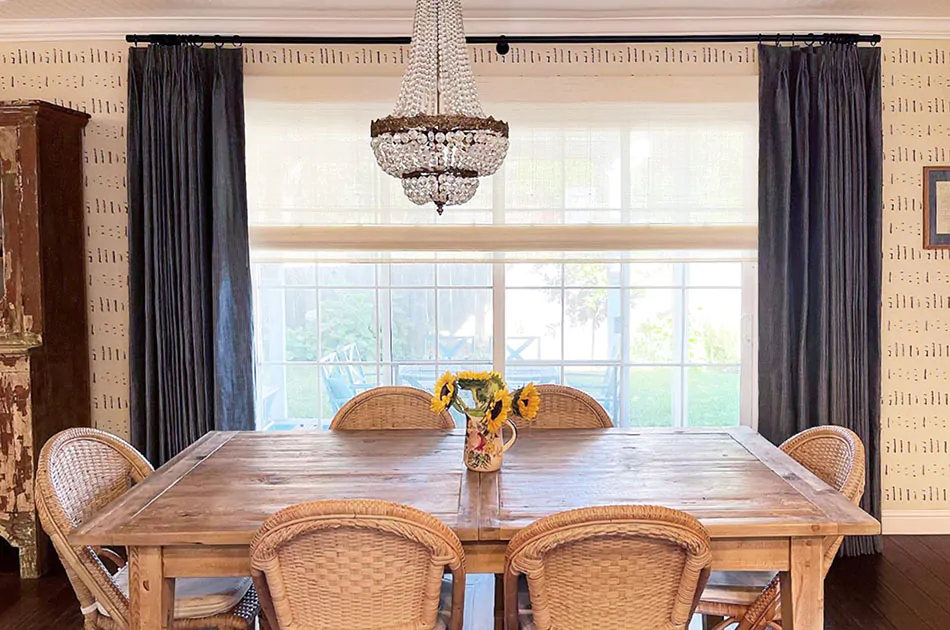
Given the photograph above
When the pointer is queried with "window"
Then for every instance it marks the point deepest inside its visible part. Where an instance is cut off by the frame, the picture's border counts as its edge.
(614, 252)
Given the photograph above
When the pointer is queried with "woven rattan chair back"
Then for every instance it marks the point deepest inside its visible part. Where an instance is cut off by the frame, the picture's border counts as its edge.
(836, 456)
(564, 407)
(331, 565)
(390, 407)
(79, 472)
(609, 567)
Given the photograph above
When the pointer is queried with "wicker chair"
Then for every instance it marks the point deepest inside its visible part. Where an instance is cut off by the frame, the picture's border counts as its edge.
(333, 565)
(564, 407)
(79, 472)
(390, 407)
(608, 567)
(836, 456)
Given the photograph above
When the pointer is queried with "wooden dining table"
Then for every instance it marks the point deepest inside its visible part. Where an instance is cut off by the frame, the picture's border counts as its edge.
(195, 516)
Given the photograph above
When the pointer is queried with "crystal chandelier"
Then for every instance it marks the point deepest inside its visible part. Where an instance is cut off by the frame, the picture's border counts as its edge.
(438, 140)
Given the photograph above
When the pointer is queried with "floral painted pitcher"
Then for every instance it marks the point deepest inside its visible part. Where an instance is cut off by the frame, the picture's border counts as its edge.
(483, 446)
(487, 406)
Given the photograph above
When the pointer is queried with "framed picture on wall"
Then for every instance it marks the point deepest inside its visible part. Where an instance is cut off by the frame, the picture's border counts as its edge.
(937, 207)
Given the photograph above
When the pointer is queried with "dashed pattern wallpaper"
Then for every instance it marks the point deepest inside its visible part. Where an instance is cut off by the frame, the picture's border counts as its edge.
(90, 76)
(916, 293)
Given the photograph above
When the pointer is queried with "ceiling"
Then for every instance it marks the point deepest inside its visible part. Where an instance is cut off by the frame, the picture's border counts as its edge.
(37, 9)
(71, 19)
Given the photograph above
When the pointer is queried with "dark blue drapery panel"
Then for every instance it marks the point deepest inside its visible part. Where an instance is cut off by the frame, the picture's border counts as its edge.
(820, 187)
(189, 269)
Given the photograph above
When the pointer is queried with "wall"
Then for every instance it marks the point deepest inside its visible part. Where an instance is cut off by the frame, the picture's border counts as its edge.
(916, 308)
(90, 76)
(916, 291)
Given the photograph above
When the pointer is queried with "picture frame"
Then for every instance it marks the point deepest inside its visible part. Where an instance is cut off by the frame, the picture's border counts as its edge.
(936, 207)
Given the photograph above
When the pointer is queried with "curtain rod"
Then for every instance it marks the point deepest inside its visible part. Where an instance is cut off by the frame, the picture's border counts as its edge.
(502, 42)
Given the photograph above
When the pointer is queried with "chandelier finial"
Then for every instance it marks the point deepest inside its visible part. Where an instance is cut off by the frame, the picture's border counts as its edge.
(438, 140)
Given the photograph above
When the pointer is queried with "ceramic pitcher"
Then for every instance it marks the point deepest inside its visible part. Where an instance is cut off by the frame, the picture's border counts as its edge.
(484, 448)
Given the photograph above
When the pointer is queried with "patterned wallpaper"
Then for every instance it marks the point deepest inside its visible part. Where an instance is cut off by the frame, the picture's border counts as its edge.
(916, 295)
(91, 77)
(916, 321)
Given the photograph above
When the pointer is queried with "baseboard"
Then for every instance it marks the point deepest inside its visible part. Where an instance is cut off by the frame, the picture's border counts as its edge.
(919, 522)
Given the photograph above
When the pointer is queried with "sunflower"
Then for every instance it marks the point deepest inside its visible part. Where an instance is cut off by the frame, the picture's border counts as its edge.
(527, 401)
(445, 391)
(477, 376)
(498, 410)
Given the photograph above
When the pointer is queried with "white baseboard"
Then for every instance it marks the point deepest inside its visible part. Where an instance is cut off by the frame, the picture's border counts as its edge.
(921, 522)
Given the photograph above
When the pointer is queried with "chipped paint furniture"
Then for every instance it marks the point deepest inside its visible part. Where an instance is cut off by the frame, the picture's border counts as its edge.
(44, 357)
(196, 516)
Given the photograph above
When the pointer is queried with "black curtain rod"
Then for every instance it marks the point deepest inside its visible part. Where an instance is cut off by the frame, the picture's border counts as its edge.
(502, 42)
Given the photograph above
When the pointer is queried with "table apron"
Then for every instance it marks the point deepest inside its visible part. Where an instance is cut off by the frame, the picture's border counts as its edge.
(729, 554)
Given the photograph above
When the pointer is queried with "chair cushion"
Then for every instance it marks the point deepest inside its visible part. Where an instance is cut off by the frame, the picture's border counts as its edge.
(736, 587)
(196, 597)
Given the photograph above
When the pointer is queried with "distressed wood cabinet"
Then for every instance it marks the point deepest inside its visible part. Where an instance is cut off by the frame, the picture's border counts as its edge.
(44, 358)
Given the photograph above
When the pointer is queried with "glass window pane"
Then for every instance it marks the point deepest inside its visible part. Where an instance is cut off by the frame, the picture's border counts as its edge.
(601, 382)
(303, 391)
(348, 324)
(412, 322)
(591, 274)
(651, 325)
(343, 381)
(270, 317)
(533, 274)
(300, 321)
(464, 324)
(347, 274)
(271, 394)
(517, 374)
(464, 275)
(711, 274)
(713, 395)
(412, 275)
(592, 324)
(714, 323)
(651, 274)
(533, 324)
(421, 376)
(652, 390)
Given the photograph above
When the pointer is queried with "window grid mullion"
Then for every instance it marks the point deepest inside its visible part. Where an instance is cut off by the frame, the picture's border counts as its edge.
(679, 336)
(622, 412)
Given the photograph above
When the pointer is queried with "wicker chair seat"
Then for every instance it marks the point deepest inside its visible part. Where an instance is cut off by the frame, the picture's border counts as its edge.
(195, 597)
(732, 593)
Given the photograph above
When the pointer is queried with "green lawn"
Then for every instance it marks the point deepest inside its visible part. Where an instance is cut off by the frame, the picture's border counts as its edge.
(713, 396)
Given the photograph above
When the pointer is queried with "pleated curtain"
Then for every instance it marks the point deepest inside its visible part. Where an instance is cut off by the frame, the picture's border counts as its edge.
(189, 270)
(820, 187)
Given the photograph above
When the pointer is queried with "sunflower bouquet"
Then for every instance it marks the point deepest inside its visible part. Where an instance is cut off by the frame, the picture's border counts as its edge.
(485, 400)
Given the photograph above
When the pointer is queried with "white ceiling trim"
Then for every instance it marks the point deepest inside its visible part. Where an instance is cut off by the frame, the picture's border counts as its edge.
(560, 23)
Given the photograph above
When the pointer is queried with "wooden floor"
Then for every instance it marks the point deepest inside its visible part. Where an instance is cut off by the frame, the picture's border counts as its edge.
(908, 588)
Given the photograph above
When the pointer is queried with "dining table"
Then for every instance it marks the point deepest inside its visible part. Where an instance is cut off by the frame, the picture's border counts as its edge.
(196, 515)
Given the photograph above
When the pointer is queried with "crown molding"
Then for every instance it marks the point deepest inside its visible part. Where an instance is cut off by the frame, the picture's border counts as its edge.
(552, 23)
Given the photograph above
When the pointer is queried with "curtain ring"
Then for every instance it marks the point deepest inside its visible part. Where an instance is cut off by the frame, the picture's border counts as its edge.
(237, 42)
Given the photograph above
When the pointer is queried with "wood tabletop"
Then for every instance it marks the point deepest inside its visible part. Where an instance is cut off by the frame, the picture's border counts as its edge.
(220, 490)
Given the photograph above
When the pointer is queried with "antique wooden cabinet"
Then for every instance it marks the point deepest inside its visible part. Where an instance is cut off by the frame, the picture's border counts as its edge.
(44, 358)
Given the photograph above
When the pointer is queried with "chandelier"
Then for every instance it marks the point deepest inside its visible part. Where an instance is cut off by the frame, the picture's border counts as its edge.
(438, 140)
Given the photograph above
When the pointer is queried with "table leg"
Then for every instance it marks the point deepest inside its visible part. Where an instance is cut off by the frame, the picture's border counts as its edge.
(803, 592)
(499, 601)
(151, 594)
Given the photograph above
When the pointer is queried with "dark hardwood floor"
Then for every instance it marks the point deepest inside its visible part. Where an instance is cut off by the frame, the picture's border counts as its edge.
(908, 588)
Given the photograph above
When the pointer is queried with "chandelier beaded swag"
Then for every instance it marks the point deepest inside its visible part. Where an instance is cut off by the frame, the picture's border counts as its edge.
(438, 141)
